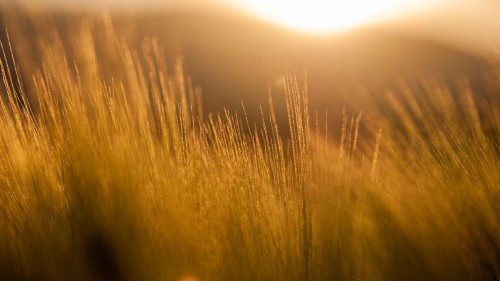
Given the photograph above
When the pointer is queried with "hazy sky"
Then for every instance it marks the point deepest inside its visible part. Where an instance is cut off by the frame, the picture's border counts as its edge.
(471, 23)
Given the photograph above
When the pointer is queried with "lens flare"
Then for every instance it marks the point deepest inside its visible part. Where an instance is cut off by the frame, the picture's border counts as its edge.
(328, 15)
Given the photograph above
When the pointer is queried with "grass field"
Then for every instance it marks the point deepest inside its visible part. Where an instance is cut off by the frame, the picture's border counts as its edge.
(110, 170)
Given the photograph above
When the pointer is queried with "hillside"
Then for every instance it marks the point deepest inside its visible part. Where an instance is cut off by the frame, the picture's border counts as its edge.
(234, 58)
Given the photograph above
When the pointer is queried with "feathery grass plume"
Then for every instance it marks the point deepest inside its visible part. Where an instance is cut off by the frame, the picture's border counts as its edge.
(111, 171)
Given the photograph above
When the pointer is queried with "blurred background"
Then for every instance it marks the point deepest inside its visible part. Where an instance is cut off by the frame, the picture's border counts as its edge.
(238, 50)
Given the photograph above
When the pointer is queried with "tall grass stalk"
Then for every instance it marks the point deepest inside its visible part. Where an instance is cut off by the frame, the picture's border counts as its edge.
(120, 176)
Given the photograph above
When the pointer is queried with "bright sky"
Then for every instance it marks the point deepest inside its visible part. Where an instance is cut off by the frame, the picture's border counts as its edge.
(473, 23)
(328, 15)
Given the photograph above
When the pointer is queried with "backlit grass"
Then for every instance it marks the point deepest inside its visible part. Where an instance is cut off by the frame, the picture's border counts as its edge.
(110, 170)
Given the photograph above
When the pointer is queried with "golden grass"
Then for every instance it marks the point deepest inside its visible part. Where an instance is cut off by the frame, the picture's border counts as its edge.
(125, 178)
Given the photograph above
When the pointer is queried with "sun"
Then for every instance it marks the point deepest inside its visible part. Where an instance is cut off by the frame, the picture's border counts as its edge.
(322, 16)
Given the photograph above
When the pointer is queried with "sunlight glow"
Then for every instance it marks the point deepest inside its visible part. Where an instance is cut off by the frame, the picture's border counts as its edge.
(328, 15)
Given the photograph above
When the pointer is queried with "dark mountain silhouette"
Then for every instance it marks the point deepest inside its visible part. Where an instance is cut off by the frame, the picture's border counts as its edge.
(235, 58)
